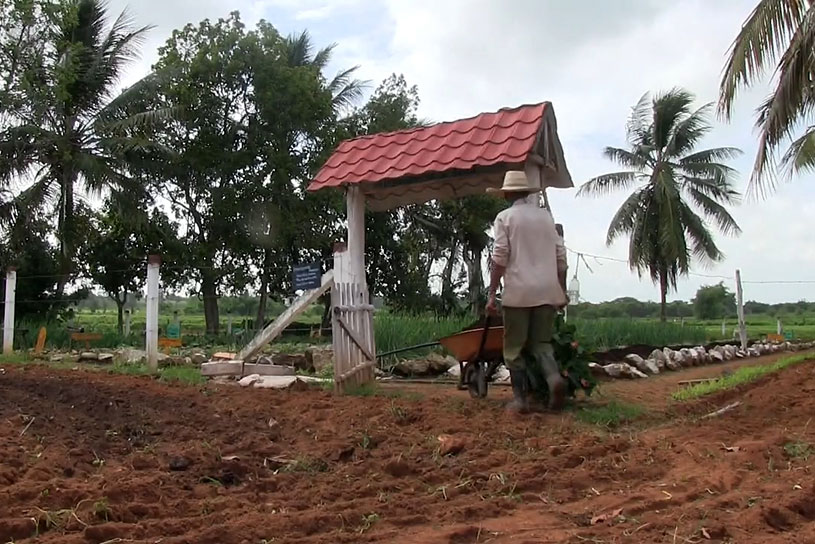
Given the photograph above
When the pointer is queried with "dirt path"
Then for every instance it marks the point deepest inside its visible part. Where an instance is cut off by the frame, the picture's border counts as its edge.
(95, 458)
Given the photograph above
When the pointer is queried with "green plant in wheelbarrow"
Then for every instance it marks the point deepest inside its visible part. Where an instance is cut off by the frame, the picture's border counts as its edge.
(573, 361)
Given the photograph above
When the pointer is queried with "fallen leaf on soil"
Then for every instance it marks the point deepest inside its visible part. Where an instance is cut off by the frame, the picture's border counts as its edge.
(450, 445)
(605, 517)
(230, 458)
(730, 449)
(705, 533)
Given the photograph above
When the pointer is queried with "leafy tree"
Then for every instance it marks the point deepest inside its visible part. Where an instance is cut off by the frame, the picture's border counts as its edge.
(26, 247)
(118, 247)
(714, 302)
(785, 28)
(61, 129)
(670, 179)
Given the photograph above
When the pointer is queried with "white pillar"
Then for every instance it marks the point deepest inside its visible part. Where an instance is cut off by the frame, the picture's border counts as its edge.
(128, 317)
(229, 324)
(724, 328)
(740, 308)
(151, 341)
(8, 315)
(779, 329)
(355, 205)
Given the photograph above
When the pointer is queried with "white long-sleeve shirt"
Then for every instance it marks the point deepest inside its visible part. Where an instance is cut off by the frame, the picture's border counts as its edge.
(529, 247)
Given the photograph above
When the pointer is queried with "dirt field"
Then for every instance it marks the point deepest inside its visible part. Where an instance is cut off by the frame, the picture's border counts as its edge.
(87, 457)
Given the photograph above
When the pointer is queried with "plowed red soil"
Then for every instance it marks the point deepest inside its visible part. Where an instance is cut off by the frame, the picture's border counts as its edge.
(87, 457)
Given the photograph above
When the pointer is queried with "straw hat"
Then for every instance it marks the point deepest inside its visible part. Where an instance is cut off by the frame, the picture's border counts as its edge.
(515, 181)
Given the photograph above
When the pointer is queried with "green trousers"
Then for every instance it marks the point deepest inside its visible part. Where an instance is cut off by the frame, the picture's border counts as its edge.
(528, 338)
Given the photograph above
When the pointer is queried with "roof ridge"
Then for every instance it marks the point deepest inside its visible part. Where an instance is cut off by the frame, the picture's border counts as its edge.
(441, 123)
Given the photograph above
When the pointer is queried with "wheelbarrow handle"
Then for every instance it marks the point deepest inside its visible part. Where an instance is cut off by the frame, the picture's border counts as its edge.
(487, 321)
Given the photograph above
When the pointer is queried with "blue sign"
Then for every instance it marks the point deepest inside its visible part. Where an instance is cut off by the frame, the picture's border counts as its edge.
(307, 276)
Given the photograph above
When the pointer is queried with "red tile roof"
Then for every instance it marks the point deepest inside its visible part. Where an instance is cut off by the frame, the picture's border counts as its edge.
(489, 139)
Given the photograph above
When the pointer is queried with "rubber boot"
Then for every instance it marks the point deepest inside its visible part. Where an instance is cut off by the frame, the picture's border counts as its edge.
(555, 381)
(519, 403)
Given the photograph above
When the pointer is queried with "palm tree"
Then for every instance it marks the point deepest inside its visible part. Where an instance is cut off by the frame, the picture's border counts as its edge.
(665, 231)
(69, 135)
(775, 26)
(345, 90)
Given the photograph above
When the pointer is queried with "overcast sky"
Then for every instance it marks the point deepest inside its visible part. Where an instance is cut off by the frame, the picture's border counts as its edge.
(593, 60)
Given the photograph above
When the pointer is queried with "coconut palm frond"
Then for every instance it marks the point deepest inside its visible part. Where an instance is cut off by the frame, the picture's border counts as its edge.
(800, 157)
(764, 34)
(603, 185)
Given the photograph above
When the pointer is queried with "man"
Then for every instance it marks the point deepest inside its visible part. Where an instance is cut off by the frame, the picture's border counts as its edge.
(529, 255)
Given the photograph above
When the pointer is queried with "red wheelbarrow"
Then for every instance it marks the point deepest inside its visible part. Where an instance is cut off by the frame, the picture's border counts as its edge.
(479, 353)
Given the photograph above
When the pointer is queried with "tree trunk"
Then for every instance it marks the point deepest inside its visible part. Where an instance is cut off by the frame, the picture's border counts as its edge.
(209, 291)
(120, 307)
(663, 293)
(264, 289)
(447, 294)
(475, 275)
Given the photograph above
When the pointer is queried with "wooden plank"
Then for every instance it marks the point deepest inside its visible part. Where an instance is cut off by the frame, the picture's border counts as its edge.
(702, 380)
(355, 308)
(267, 370)
(40, 340)
(359, 341)
(285, 319)
(355, 371)
(222, 368)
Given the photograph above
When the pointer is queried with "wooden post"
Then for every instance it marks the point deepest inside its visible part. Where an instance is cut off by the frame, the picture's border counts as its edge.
(724, 328)
(8, 314)
(229, 324)
(151, 341)
(355, 203)
(779, 330)
(127, 323)
(740, 308)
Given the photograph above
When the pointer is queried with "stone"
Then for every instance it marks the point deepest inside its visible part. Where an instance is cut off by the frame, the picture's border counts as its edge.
(658, 355)
(597, 369)
(502, 374)
(634, 359)
(753, 352)
(451, 445)
(716, 354)
(679, 358)
(319, 358)
(297, 361)
(649, 366)
(57, 358)
(623, 370)
(105, 358)
(673, 365)
(248, 381)
(412, 367)
(88, 356)
(454, 371)
(198, 358)
(179, 463)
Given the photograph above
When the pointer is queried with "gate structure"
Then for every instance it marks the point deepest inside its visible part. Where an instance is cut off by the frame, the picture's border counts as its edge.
(442, 161)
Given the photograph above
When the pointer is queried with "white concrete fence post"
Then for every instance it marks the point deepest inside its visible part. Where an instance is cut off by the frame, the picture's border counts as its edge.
(8, 313)
(151, 327)
(740, 309)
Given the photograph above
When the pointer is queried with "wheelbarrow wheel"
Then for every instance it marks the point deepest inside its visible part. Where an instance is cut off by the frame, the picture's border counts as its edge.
(475, 378)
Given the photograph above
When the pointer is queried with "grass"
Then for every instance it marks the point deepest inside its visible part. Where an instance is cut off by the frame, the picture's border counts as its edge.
(610, 415)
(741, 376)
(394, 331)
(169, 374)
(799, 450)
(602, 334)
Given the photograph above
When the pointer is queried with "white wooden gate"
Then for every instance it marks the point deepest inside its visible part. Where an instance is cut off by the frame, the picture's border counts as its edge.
(352, 325)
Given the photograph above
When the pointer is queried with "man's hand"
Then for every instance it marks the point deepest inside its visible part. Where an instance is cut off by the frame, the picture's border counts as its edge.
(492, 305)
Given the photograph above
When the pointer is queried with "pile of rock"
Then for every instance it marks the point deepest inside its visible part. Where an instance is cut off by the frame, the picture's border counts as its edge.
(667, 359)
